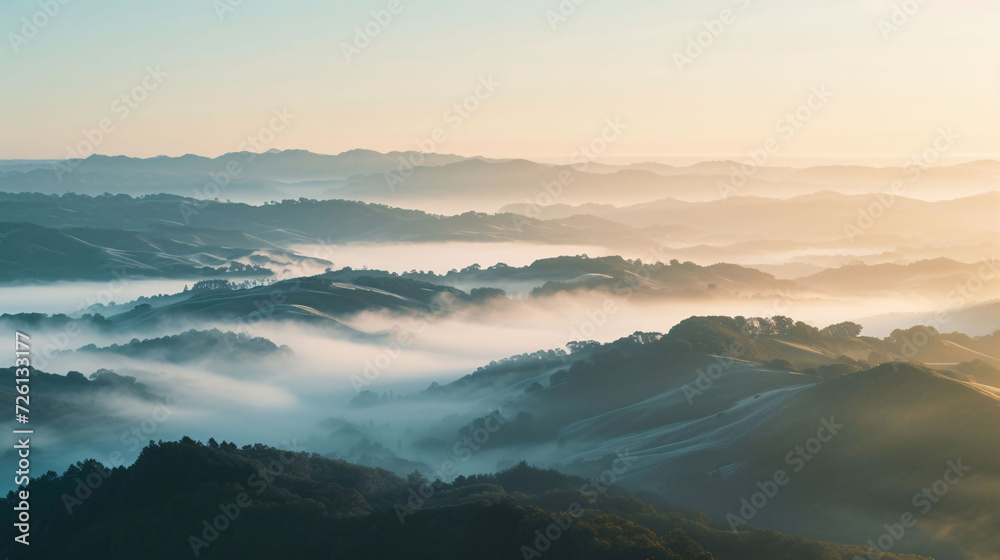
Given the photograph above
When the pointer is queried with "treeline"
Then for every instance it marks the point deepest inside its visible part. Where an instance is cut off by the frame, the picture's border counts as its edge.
(216, 500)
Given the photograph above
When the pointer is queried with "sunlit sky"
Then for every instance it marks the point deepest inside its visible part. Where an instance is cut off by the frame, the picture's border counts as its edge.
(892, 88)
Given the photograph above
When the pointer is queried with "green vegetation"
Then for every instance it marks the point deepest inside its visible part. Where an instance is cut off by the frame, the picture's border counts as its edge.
(297, 505)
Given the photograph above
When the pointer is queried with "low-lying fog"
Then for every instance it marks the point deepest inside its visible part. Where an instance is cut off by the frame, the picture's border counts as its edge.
(285, 398)
(282, 400)
(775, 258)
(441, 257)
(69, 297)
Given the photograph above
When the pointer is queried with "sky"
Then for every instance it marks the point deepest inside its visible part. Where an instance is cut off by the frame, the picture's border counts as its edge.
(682, 81)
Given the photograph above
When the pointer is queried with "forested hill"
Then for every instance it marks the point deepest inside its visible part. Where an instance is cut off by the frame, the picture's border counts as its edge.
(269, 503)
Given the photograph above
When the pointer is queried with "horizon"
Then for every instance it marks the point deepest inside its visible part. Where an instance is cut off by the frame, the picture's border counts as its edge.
(613, 275)
(436, 67)
(886, 161)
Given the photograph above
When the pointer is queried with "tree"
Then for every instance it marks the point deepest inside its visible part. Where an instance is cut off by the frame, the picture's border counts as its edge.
(843, 330)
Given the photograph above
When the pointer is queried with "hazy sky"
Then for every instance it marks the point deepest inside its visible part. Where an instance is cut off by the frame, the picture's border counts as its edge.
(226, 75)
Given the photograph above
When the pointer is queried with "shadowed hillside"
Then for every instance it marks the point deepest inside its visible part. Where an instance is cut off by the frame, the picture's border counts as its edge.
(276, 503)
